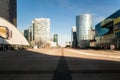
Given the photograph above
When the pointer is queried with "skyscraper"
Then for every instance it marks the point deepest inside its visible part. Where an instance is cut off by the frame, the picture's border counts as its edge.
(8, 10)
(55, 39)
(74, 37)
(84, 26)
(31, 32)
(41, 30)
(27, 34)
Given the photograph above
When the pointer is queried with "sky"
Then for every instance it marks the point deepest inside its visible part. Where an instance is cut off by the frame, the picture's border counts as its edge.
(62, 13)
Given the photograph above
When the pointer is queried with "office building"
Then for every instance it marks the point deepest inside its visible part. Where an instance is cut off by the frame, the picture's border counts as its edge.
(55, 38)
(31, 32)
(84, 27)
(108, 31)
(41, 31)
(74, 37)
(26, 34)
(8, 10)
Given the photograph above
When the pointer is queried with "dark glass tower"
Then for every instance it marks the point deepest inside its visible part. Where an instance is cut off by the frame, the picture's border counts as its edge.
(74, 37)
(8, 10)
(55, 38)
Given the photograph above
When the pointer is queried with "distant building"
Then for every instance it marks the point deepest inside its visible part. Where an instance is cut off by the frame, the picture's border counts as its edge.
(68, 44)
(55, 38)
(8, 10)
(93, 34)
(92, 40)
(31, 32)
(41, 31)
(27, 34)
(84, 27)
(74, 37)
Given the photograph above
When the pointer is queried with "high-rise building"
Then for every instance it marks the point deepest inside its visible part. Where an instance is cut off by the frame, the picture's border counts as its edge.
(55, 38)
(74, 37)
(31, 32)
(41, 30)
(8, 10)
(84, 26)
(27, 34)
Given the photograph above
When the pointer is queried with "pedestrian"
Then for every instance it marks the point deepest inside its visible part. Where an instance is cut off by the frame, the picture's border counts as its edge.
(112, 47)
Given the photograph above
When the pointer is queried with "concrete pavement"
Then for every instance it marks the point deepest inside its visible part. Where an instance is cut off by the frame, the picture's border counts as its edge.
(95, 54)
(56, 64)
(27, 65)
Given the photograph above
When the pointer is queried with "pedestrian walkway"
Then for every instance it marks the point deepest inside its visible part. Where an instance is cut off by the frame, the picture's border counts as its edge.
(55, 64)
(11, 53)
(96, 54)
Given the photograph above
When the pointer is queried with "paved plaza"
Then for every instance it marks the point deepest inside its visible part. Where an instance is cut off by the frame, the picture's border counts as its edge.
(59, 64)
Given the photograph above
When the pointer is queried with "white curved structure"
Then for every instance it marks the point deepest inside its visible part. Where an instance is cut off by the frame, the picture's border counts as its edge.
(16, 38)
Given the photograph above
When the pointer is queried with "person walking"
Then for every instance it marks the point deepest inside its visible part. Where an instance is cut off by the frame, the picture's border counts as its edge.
(112, 47)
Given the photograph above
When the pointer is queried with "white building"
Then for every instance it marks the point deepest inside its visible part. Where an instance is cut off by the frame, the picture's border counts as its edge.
(84, 27)
(41, 30)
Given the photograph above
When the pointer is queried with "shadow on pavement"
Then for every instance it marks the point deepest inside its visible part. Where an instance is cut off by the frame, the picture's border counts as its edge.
(29, 65)
(62, 71)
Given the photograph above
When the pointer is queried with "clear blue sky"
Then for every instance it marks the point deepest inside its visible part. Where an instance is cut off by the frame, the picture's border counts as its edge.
(62, 13)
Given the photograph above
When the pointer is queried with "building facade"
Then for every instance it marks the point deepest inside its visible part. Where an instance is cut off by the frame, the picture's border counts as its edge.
(41, 31)
(31, 32)
(55, 38)
(9, 10)
(27, 34)
(108, 31)
(84, 26)
(74, 37)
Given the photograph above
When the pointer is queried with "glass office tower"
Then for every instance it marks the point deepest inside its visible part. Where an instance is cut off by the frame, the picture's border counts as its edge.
(74, 37)
(84, 26)
(55, 38)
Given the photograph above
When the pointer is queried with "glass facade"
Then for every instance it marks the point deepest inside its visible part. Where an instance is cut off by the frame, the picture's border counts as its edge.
(108, 31)
(26, 34)
(84, 24)
(74, 37)
(100, 31)
(84, 27)
(55, 39)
